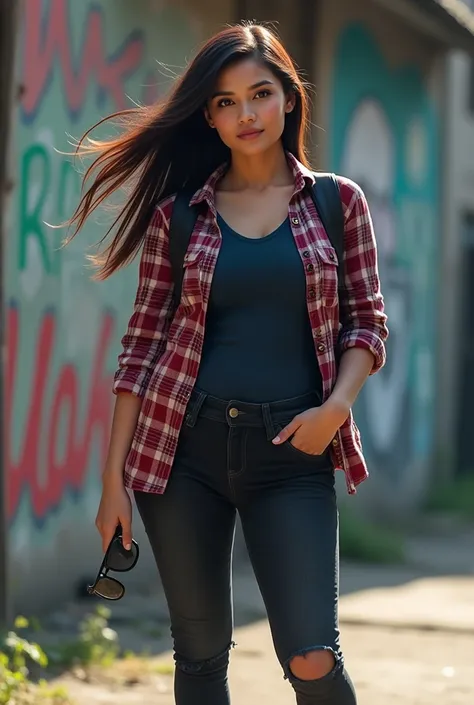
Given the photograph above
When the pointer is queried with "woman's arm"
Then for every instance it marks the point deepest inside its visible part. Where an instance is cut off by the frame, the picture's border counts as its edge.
(143, 344)
(362, 312)
(115, 506)
(145, 339)
(355, 366)
(124, 422)
(364, 329)
(363, 333)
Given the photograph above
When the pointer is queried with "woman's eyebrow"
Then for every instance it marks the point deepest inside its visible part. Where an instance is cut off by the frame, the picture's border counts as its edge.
(219, 94)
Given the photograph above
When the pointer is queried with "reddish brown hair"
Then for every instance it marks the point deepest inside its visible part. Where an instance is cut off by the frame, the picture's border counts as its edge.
(164, 147)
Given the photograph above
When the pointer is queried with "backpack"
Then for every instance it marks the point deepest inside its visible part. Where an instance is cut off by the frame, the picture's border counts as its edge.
(326, 198)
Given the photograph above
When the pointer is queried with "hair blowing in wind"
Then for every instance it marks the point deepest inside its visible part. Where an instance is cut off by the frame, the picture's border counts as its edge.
(163, 147)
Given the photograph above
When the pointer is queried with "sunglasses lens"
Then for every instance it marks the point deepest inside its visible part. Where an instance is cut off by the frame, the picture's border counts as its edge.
(109, 588)
(119, 559)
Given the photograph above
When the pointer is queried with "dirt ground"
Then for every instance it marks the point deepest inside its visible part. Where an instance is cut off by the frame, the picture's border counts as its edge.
(389, 666)
(407, 634)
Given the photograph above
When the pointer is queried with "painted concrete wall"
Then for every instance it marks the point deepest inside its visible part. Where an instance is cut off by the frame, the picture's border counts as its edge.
(458, 189)
(379, 90)
(77, 61)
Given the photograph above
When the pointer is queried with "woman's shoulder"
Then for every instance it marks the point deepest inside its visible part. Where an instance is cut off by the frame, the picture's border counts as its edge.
(349, 189)
(354, 204)
(353, 198)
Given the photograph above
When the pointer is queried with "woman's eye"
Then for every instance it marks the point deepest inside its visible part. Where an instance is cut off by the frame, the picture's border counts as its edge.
(224, 102)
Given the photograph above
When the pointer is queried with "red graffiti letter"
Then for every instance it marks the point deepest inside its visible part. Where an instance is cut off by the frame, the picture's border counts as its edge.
(49, 37)
(45, 476)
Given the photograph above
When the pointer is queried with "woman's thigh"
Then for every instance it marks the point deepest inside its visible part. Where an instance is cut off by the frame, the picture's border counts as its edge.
(291, 531)
(191, 530)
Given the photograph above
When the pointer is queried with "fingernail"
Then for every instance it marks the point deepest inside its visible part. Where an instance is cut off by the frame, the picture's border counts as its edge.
(128, 546)
(276, 440)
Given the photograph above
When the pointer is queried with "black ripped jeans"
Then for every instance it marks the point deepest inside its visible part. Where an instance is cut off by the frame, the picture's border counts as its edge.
(287, 505)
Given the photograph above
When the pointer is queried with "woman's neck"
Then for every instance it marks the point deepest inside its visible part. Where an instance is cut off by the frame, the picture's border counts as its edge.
(258, 172)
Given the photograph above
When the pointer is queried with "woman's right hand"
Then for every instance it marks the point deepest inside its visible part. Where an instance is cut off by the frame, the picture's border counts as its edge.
(115, 508)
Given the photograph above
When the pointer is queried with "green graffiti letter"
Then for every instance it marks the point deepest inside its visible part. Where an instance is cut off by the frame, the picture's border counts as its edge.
(35, 174)
(69, 189)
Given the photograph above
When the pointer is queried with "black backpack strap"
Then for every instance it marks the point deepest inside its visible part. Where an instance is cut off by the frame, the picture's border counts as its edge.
(183, 219)
(327, 199)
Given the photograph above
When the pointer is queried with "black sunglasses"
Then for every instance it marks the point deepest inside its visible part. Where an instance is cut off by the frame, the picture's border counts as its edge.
(118, 560)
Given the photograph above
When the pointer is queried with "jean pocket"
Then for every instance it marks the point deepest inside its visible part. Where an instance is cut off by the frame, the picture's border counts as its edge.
(296, 451)
(302, 454)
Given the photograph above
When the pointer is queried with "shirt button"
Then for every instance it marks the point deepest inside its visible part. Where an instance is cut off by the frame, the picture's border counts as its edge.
(306, 253)
(312, 293)
(295, 221)
(321, 347)
(310, 268)
(335, 441)
(318, 333)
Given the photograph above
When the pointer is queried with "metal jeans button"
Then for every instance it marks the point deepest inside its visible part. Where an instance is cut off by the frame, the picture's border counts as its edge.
(233, 413)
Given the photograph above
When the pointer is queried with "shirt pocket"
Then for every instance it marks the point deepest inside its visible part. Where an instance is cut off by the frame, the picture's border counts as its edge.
(328, 268)
(191, 291)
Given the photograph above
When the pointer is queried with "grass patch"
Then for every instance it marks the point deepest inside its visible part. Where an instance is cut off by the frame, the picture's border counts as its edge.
(453, 497)
(368, 542)
(21, 663)
(96, 643)
(94, 655)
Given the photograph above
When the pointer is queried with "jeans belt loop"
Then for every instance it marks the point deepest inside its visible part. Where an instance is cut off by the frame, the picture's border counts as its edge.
(268, 422)
(194, 407)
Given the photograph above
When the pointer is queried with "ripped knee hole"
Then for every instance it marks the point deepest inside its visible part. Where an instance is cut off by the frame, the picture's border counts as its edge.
(313, 664)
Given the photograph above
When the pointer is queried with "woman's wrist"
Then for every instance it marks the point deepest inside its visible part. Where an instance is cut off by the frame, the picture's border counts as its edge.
(339, 408)
(113, 474)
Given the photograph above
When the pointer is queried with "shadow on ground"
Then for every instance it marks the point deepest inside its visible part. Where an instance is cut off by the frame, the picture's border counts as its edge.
(141, 620)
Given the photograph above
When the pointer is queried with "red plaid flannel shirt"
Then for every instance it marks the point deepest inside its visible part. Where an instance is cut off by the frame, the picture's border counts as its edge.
(160, 357)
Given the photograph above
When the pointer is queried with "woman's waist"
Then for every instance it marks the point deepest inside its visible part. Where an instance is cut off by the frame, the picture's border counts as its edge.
(236, 412)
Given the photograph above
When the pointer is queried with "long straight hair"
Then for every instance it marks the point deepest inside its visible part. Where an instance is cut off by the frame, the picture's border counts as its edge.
(163, 147)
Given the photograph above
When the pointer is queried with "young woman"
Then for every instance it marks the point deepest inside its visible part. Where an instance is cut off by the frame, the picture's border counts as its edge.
(233, 402)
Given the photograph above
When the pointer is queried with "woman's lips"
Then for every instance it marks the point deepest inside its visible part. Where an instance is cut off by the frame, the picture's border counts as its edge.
(250, 135)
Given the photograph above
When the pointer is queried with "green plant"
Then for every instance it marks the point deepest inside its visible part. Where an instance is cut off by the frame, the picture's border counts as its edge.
(365, 541)
(96, 643)
(17, 657)
(47, 695)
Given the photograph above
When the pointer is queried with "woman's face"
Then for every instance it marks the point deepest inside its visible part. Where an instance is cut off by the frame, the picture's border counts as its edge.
(248, 107)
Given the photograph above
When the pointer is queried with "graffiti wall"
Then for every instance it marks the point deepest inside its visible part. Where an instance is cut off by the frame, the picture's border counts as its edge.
(385, 136)
(77, 61)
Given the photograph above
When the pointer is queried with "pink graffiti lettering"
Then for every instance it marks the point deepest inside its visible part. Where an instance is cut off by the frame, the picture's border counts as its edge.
(46, 40)
(46, 424)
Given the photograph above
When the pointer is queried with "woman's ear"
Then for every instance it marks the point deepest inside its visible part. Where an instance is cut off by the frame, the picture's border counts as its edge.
(290, 103)
(208, 117)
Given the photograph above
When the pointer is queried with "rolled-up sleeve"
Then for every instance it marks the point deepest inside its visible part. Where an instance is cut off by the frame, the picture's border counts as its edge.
(145, 339)
(364, 322)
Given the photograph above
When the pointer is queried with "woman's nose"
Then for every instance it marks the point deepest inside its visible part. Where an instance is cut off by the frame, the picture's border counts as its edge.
(246, 115)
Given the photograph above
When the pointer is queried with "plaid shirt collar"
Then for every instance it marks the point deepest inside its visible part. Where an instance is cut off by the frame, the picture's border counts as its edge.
(301, 174)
